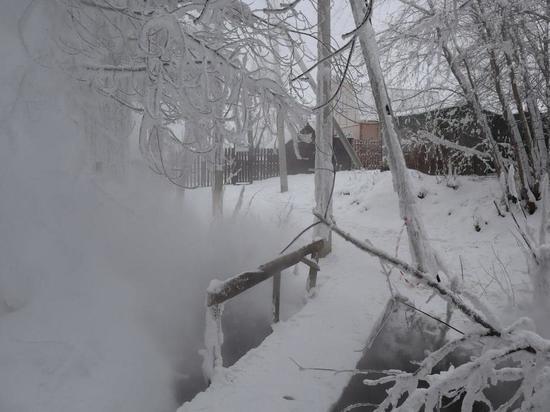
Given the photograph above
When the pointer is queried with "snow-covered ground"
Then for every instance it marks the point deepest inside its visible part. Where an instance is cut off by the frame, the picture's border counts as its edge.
(331, 330)
(104, 285)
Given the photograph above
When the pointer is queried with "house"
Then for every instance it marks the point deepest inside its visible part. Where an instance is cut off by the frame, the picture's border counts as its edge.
(418, 114)
(455, 124)
(300, 155)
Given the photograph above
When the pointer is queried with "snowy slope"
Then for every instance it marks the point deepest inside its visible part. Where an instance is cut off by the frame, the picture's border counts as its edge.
(333, 327)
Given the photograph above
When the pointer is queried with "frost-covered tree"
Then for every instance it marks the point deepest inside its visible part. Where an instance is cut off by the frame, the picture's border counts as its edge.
(324, 168)
(197, 75)
(423, 254)
(493, 52)
(515, 354)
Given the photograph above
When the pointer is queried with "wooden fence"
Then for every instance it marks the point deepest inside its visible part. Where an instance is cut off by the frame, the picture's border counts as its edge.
(239, 167)
(219, 292)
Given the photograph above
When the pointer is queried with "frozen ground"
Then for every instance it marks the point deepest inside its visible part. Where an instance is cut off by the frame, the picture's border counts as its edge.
(331, 330)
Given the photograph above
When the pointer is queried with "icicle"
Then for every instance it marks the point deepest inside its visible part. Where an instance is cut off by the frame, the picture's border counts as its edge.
(511, 181)
(213, 340)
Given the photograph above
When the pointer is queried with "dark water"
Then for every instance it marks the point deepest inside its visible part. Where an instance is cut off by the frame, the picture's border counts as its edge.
(245, 325)
(402, 342)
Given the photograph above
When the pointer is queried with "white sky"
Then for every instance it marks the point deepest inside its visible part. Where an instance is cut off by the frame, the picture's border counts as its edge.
(342, 20)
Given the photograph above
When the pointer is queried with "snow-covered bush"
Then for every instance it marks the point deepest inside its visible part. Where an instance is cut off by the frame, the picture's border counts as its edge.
(517, 355)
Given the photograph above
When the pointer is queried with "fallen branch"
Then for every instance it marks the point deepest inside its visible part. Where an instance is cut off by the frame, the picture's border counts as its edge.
(467, 151)
(424, 277)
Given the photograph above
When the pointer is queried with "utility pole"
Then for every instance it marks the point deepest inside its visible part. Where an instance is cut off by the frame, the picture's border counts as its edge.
(283, 175)
(324, 168)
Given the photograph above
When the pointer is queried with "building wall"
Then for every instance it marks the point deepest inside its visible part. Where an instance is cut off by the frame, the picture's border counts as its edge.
(307, 163)
(368, 145)
(456, 124)
(346, 111)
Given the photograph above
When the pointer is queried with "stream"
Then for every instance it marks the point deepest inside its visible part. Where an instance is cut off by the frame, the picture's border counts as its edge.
(402, 342)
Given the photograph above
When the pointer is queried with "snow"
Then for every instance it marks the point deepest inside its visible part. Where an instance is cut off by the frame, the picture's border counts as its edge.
(331, 330)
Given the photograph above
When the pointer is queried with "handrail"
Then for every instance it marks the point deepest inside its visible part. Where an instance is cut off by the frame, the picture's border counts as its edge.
(234, 286)
(221, 291)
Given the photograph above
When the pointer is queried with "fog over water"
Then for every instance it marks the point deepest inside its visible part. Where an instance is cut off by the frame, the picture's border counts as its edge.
(103, 268)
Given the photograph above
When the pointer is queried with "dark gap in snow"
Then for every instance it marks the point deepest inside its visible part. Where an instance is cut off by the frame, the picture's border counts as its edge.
(402, 342)
(246, 323)
(243, 330)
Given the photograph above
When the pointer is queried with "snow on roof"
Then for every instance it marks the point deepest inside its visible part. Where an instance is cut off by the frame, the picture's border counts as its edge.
(356, 104)
(407, 101)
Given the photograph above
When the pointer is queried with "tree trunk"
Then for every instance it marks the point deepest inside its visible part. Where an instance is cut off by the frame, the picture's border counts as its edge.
(524, 169)
(324, 124)
(423, 255)
(532, 106)
(473, 100)
(519, 104)
(282, 151)
(280, 115)
(539, 267)
(217, 176)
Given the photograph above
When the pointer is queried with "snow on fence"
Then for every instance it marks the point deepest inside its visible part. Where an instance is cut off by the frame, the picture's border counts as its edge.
(239, 167)
(221, 291)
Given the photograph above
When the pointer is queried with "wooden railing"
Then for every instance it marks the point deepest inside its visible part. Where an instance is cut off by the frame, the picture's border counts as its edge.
(221, 291)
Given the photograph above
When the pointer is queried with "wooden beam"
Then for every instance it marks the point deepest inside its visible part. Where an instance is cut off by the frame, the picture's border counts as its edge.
(312, 276)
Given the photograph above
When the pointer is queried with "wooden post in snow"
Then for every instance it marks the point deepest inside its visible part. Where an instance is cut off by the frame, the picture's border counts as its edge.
(313, 269)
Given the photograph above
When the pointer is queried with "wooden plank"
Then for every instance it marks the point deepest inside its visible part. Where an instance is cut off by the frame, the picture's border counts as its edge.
(355, 161)
(269, 163)
(312, 276)
(276, 296)
(244, 281)
(246, 167)
(250, 165)
(196, 172)
(261, 164)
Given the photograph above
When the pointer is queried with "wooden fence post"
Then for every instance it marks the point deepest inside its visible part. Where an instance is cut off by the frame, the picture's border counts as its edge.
(312, 277)
(276, 296)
